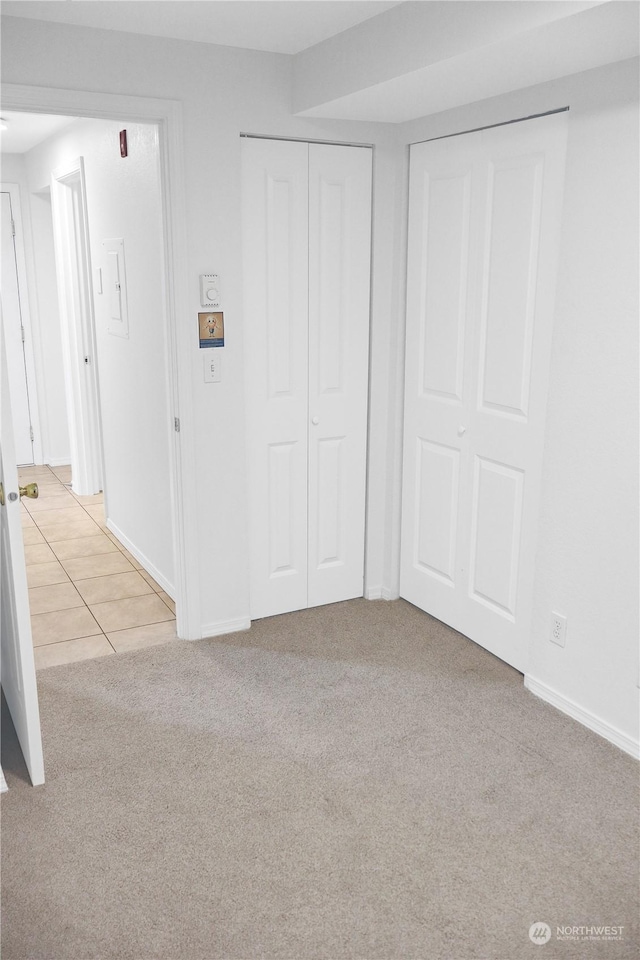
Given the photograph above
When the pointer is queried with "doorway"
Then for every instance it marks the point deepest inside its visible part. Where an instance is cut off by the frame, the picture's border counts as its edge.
(100, 579)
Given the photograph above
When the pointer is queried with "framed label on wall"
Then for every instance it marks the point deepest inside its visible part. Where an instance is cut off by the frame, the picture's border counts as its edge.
(211, 329)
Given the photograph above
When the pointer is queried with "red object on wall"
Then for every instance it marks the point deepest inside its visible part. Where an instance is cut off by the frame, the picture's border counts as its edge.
(123, 143)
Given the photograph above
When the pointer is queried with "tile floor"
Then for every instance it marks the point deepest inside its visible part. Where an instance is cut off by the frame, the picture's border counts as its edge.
(89, 597)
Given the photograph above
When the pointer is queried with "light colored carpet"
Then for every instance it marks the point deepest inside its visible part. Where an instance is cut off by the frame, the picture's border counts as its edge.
(353, 781)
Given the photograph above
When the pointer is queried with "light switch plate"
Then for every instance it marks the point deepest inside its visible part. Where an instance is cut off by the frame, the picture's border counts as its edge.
(212, 366)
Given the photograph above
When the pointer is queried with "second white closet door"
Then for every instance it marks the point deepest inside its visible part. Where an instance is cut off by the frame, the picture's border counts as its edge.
(306, 227)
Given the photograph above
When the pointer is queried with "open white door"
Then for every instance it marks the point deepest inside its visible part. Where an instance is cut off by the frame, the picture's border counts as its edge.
(484, 231)
(18, 673)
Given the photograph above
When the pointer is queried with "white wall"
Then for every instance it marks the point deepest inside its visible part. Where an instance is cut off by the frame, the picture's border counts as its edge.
(587, 560)
(224, 92)
(43, 308)
(123, 200)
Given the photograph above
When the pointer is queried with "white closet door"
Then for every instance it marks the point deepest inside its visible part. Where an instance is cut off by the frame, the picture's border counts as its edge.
(275, 242)
(484, 229)
(339, 267)
(307, 226)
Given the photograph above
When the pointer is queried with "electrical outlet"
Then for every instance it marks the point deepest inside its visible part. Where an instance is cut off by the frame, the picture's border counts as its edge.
(558, 632)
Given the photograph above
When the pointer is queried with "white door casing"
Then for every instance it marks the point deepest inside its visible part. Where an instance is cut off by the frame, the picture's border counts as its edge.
(75, 294)
(168, 115)
(18, 675)
(13, 308)
(306, 241)
(484, 231)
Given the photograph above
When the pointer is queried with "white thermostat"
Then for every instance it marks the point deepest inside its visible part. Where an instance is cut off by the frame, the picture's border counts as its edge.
(210, 290)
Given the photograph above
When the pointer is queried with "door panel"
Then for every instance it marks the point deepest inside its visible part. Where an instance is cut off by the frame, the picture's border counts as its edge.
(495, 536)
(330, 508)
(445, 289)
(484, 229)
(436, 508)
(339, 266)
(510, 284)
(281, 517)
(275, 231)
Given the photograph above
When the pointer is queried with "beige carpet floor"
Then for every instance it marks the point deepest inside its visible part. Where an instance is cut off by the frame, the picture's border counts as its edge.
(353, 781)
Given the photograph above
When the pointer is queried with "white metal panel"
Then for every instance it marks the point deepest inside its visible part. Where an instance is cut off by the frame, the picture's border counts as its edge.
(480, 294)
(18, 668)
(275, 232)
(12, 313)
(116, 287)
(339, 267)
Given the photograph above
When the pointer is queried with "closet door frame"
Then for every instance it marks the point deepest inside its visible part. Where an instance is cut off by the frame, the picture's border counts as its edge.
(478, 347)
(283, 583)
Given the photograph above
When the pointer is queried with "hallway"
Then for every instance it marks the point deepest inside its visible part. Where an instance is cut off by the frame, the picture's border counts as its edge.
(88, 596)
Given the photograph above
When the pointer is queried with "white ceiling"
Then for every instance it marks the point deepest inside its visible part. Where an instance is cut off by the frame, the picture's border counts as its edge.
(410, 61)
(279, 26)
(26, 130)
(587, 38)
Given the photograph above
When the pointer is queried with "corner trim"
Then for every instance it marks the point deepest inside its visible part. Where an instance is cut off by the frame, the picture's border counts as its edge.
(585, 717)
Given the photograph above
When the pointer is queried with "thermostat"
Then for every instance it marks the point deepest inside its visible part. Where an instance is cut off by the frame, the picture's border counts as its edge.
(210, 290)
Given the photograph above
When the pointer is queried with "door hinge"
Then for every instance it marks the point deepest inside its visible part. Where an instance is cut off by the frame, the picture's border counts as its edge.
(13, 228)
(176, 424)
(87, 360)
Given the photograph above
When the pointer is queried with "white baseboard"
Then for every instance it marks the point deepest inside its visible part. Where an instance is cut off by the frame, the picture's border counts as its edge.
(58, 461)
(225, 626)
(373, 593)
(587, 719)
(380, 593)
(140, 557)
(390, 594)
